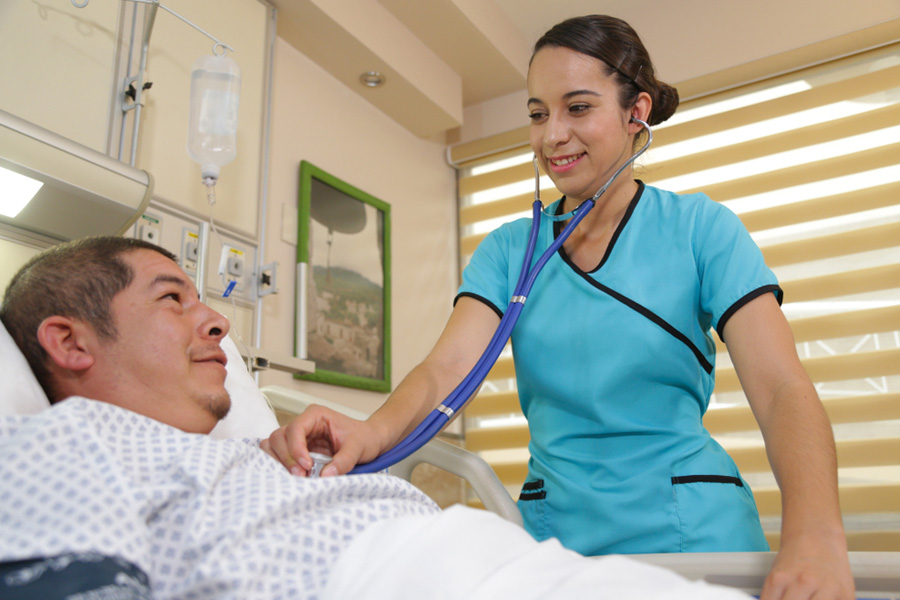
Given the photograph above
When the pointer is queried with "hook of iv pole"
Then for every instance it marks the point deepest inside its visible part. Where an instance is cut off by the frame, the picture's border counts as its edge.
(219, 45)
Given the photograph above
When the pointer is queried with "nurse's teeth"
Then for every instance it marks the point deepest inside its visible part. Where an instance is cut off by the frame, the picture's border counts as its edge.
(565, 161)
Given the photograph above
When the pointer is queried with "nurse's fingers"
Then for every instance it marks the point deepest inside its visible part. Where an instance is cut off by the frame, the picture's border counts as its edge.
(277, 447)
(347, 457)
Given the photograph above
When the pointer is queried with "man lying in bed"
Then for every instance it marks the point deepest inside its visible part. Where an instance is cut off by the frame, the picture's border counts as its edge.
(117, 478)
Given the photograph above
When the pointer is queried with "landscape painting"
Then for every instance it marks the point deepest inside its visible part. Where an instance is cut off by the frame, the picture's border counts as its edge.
(344, 245)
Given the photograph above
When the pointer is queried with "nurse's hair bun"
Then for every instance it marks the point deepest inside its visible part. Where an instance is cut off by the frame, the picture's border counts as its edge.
(618, 46)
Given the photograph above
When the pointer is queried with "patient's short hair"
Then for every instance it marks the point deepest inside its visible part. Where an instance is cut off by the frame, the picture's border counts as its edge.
(76, 279)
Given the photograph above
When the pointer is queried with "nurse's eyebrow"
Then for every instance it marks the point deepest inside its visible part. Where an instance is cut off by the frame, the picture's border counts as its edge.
(568, 95)
(574, 93)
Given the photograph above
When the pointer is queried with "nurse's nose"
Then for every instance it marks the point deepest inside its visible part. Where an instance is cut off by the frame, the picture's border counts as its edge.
(556, 131)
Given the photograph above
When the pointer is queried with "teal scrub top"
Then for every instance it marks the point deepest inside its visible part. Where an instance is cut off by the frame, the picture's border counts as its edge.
(615, 369)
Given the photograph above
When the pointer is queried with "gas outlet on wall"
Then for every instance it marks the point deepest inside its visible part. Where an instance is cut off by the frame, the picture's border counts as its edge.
(149, 229)
(231, 266)
(190, 250)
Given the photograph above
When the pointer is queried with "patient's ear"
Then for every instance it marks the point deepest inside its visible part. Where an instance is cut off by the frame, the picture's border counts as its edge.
(65, 341)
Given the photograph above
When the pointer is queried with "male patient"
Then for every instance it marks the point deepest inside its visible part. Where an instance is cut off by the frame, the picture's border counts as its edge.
(111, 323)
(117, 320)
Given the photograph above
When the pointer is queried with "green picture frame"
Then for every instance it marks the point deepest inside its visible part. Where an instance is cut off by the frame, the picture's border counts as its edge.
(343, 303)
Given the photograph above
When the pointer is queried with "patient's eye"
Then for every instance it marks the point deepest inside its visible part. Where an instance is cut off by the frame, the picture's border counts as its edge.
(176, 296)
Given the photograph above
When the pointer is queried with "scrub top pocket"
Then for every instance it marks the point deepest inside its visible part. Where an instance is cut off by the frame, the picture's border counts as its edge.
(714, 510)
(532, 505)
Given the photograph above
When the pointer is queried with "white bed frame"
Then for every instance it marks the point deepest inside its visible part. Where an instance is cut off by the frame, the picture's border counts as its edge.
(877, 574)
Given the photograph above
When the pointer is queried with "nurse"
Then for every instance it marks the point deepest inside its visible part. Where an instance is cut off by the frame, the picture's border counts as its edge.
(613, 351)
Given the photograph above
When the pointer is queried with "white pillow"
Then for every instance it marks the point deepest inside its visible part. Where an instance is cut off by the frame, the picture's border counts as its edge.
(20, 393)
(250, 415)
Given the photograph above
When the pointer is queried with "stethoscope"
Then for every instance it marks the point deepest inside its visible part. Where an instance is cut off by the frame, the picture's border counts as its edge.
(440, 416)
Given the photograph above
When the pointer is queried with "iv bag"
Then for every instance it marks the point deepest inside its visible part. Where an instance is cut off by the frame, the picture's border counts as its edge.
(212, 128)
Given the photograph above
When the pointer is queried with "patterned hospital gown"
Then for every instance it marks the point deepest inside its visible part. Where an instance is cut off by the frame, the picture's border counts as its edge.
(202, 518)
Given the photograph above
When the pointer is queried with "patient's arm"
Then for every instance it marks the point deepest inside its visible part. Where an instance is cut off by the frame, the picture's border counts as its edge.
(319, 429)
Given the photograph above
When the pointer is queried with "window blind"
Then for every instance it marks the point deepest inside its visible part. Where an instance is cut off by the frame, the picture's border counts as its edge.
(810, 161)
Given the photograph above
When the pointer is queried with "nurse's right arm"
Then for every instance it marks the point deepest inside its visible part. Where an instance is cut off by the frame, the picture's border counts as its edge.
(349, 441)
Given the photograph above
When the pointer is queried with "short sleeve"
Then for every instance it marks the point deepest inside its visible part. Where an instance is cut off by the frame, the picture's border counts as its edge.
(731, 266)
(486, 277)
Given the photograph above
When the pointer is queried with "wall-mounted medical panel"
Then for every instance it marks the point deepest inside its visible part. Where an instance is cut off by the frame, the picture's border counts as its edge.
(178, 232)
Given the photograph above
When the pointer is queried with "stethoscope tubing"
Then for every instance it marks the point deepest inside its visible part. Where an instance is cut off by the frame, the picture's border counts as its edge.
(456, 400)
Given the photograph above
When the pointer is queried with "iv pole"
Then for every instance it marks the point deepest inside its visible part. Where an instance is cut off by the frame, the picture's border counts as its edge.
(133, 87)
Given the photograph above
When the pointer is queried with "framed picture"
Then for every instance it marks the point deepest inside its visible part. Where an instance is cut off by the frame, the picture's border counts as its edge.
(343, 305)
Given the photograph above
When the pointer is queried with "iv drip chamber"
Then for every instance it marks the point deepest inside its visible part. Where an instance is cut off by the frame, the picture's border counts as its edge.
(213, 122)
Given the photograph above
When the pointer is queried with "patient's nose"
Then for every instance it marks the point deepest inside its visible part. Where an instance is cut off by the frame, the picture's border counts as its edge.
(215, 325)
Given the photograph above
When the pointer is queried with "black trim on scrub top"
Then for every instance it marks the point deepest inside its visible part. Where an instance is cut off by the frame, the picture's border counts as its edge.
(532, 490)
(707, 479)
(558, 226)
(779, 296)
(481, 299)
(529, 496)
(642, 310)
(707, 366)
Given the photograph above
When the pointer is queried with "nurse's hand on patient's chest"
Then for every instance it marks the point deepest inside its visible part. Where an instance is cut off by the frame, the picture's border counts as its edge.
(324, 431)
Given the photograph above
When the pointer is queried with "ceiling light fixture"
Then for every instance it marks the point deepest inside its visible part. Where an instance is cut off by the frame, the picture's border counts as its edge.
(83, 192)
(372, 79)
(18, 191)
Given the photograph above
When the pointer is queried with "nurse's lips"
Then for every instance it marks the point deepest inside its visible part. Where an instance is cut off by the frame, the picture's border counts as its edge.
(562, 163)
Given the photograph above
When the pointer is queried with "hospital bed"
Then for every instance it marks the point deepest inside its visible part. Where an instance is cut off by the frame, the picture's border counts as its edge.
(877, 574)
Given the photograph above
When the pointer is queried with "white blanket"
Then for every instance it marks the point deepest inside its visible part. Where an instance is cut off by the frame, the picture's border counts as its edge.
(220, 519)
(468, 553)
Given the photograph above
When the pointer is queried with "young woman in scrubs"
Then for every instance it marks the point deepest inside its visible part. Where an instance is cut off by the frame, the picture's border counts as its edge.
(613, 351)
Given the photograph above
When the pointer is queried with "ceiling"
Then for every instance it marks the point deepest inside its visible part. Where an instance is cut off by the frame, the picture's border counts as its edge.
(440, 56)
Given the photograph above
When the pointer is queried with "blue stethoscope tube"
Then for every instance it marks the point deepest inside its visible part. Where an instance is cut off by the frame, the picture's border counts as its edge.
(440, 416)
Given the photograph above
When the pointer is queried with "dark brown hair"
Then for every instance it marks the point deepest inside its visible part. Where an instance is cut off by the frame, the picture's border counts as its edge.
(618, 46)
(76, 279)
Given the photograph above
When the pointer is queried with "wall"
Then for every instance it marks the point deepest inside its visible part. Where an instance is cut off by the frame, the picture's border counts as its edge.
(57, 64)
(319, 119)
